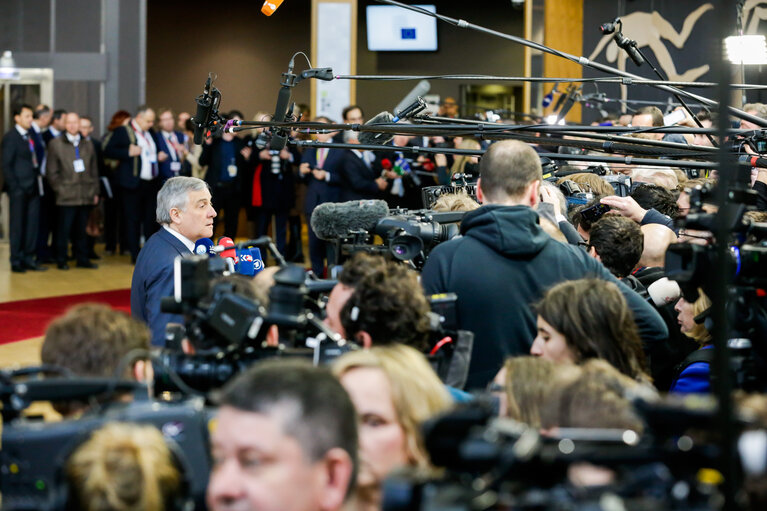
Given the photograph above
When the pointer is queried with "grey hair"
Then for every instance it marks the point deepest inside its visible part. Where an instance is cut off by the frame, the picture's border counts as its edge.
(175, 194)
(554, 189)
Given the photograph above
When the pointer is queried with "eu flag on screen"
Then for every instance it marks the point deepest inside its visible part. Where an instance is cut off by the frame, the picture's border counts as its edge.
(408, 33)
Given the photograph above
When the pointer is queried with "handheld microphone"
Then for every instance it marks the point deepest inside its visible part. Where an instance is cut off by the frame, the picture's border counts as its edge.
(244, 262)
(204, 104)
(203, 246)
(258, 261)
(333, 220)
(229, 251)
(548, 98)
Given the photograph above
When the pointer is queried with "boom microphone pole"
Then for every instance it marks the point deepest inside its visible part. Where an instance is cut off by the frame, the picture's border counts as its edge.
(580, 60)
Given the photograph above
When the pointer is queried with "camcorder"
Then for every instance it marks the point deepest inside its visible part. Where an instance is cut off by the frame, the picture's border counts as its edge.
(35, 453)
(491, 463)
(227, 329)
(691, 266)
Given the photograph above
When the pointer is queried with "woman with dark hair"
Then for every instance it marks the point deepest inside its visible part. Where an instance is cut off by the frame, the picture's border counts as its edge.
(588, 318)
(120, 118)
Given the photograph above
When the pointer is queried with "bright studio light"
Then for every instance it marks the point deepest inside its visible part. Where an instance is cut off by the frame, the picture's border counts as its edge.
(8, 69)
(746, 49)
(552, 119)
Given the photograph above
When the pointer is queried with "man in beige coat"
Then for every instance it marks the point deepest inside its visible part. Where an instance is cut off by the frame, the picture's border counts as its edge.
(72, 171)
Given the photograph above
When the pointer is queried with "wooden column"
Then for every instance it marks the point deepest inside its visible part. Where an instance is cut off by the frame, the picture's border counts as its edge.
(563, 30)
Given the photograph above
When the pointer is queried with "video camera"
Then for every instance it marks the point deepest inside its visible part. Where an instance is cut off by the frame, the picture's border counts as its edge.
(691, 266)
(34, 453)
(489, 463)
(228, 329)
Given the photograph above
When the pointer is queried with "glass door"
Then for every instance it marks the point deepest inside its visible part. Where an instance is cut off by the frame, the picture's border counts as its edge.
(34, 86)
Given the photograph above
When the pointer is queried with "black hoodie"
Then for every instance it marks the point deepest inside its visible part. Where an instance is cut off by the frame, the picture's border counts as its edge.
(500, 267)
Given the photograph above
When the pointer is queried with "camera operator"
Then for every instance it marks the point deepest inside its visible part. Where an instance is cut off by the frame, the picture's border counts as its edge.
(387, 306)
(394, 390)
(617, 243)
(353, 271)
(185, 211)
(657, 238)
(120, 467)
(90, 340)
(504, 262)
(285, 440)
(693, 374)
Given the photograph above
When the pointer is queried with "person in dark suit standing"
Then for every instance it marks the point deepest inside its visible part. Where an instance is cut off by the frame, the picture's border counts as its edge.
(46, 225)
(227, 160)
(105, 190)
(72, 170)
(321, 171)
(361, 176)
(137, 175)
(56, 127)
(185, 211)
(171, 143)
(21, 171)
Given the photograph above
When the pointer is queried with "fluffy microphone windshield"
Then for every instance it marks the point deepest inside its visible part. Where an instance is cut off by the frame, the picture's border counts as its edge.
(334, 220)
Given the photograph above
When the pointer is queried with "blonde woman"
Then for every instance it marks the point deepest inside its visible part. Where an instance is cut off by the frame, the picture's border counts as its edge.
(122, 467)
(695, 374)
(394, 390)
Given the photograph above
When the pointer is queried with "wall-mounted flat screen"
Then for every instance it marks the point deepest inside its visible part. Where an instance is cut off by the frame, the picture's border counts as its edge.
(392, 28)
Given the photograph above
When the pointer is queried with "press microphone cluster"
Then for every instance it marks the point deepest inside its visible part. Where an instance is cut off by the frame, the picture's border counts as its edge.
(240, 258)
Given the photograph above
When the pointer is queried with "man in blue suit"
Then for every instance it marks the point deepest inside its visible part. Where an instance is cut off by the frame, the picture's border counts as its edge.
(185, 212)
(320, 170)
(171, 143)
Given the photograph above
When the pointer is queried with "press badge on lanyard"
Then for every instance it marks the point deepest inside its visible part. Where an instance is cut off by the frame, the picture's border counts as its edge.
(232, 169)
(79, 163)
(175, 167)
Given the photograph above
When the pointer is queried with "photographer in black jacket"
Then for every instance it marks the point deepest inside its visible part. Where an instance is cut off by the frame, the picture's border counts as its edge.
(504, 262)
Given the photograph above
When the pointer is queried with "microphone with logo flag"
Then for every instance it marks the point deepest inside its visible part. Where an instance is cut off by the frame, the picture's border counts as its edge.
(204, 246)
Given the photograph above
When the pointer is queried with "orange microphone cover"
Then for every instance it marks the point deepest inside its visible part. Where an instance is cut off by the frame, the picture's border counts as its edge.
(270, 6)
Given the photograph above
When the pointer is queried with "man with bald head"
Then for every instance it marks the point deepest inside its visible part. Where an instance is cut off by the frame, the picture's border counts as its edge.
(72, 170)
(657, 238)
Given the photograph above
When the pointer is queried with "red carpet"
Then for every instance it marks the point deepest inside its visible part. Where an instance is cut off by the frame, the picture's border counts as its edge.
(29, 318)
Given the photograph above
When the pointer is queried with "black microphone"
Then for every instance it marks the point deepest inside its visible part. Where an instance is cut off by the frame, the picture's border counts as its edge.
(630, 47)
(609, 27)
(753, 160)
(280, 136)
(204, 104)
(333, 220)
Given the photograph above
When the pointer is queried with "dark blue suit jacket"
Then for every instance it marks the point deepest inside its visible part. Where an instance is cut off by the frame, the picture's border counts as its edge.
(164, 166)
(318, 192)
(116, 147)
(359, 181)
(153, 279)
